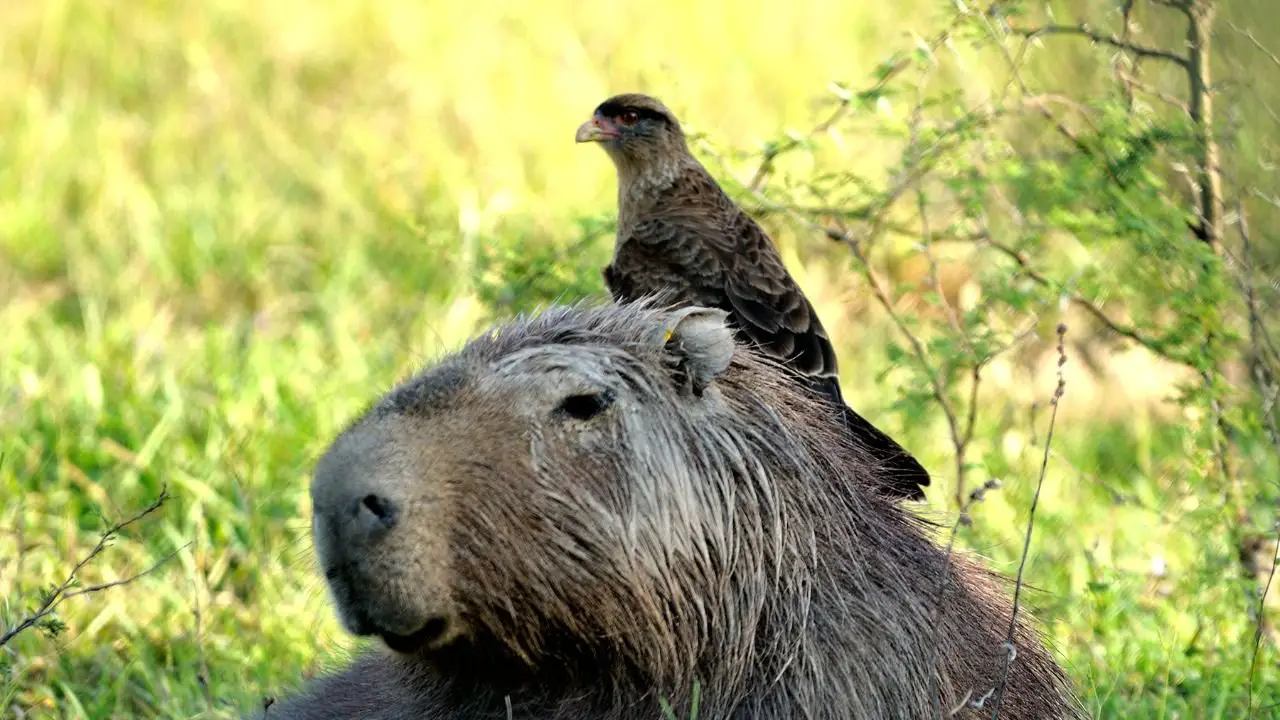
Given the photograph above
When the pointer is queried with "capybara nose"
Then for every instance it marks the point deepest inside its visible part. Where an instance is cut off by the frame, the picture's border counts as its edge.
(375, 514)
(437, 631)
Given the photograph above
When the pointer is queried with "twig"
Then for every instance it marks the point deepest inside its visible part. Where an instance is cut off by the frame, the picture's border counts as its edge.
(976, 496)
(1084, 30)
(1010, 648)
(1264, 380)
(1256, 43)
(203, 676)
(1134, 83)
(924, 162)
(1257, 631)
(61, 593)
(762, 207)
(874, 213)
(1259, 338)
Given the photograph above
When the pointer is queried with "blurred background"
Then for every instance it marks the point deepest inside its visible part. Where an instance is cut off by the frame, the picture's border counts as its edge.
(225, 227)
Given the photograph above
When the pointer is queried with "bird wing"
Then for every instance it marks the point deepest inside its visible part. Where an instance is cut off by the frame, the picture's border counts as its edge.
(768, 303)
(699, 245)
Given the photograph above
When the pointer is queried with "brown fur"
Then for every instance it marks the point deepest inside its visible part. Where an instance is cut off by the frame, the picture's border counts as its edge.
(517, 542)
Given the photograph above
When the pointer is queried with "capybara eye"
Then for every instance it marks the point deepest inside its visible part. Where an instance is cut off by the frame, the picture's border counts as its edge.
(587, 406)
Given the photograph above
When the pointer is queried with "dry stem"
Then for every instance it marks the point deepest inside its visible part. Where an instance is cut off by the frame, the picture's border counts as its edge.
(63, 593)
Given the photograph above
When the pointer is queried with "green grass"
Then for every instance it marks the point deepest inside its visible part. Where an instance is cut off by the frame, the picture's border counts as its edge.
(225, 227)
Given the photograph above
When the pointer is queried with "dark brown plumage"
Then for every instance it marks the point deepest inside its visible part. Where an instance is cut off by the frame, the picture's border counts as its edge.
(678, 232)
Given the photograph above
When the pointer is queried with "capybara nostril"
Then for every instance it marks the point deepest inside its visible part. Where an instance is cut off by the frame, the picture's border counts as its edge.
(377, 512)
(435, 632)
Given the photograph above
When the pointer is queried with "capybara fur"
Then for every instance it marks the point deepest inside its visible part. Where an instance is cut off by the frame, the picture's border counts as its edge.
(595, 510)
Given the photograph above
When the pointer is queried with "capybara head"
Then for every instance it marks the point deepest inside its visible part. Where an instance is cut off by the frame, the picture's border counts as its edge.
(598, 506)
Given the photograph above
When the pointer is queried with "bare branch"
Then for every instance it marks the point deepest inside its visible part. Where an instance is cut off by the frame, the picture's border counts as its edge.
(1271, 112)
(1134, 83)
(1273, 200)
(1256, 42)
(1084, 31)
(1260, 337)
(62, 593)
(1010, 647)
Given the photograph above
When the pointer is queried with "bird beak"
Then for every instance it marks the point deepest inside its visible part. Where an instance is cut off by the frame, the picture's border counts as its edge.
(596, 129)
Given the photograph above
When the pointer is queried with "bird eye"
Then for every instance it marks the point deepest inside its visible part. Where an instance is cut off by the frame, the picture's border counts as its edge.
(586, 406)
(628, 117)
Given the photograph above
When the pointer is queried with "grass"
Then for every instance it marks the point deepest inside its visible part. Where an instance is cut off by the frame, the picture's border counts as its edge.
(224, 228)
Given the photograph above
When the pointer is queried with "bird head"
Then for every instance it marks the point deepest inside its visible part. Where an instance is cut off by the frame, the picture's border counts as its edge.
(635, 130)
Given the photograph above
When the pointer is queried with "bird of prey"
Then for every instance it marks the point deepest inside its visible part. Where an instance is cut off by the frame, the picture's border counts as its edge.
(679, 233)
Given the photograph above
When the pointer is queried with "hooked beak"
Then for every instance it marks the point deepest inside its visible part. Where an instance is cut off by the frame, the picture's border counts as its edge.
(597, 129)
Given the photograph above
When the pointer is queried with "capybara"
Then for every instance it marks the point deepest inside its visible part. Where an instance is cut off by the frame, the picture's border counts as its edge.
(596, 511)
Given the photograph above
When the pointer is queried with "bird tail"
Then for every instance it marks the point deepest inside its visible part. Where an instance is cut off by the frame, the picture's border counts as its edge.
(901, 475)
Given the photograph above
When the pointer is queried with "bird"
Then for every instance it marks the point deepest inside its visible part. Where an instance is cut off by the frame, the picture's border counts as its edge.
(680, 235)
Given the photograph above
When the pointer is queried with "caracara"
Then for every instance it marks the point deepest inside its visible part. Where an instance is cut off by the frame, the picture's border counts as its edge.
(680, 234)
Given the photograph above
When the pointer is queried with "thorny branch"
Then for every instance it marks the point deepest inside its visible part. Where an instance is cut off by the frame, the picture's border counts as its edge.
(62, 593)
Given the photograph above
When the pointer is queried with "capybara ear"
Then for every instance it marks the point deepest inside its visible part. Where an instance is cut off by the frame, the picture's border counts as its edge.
(701, 341)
